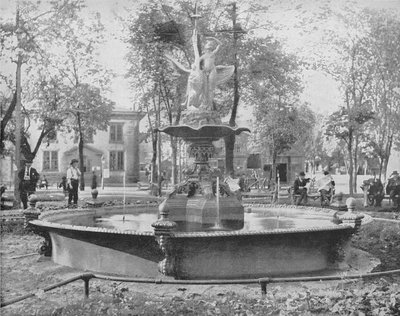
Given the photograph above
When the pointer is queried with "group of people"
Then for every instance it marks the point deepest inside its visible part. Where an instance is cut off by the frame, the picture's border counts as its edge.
(376, 191)
(325, 185)
(29, 177)
(374, 188)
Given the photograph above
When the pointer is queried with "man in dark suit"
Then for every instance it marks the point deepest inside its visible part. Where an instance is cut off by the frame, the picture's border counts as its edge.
(300, 188)
(393, 188)
(28, 177)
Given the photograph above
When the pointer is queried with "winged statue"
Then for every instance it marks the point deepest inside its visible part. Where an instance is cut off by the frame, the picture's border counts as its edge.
(204, 75)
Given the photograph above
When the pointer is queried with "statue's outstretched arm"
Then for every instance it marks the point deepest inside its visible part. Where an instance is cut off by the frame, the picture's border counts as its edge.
(177, 65)
(218, 42)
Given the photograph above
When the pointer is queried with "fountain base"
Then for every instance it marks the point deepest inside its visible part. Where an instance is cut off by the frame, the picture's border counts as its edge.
(202, 212)
(268, 245)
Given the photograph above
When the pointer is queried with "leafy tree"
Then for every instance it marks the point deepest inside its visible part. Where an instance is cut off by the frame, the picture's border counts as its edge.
(368, 56)
(167, 29)
(347, 125)
(354, 69)
(84, 80)
(157, 91)
(23, 42)
(384, 129)
(65, 84)
(274, 81)
(43, 101)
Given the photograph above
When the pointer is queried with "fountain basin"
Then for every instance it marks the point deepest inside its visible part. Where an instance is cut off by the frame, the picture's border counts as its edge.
(274, 241)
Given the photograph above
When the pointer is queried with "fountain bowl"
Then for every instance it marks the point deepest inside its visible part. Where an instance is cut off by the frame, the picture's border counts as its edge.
(118, 245)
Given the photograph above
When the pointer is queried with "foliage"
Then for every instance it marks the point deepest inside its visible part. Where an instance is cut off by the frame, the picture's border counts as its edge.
(64, 83)
(30, 37)
(274, 87)
(377, 298)
(381, 239)
(361, 71)
(384, 130)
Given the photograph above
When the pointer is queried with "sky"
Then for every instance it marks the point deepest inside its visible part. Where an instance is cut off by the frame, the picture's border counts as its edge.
(320, 91)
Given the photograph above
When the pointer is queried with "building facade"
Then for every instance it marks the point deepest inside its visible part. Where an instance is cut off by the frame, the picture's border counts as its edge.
(288, 164)
(113, 153)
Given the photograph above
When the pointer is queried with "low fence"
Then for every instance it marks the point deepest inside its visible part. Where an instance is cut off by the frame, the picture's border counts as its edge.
(263, 282)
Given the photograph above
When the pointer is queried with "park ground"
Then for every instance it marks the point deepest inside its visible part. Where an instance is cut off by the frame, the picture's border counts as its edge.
(24, 271)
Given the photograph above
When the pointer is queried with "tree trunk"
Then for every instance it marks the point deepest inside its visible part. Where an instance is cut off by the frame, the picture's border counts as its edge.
(350, 170)
(229, 148)
(153, 174)
(355, 171)
(174, 171)
(154, 158)
(80, 150)
(8, 115)
(159, 170)
(273, 167)
(230, 140)
(381, 167)
(18, 126)
(384, 169)
(388, 150)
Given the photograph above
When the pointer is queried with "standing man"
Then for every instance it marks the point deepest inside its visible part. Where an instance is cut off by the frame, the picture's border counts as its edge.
(73, 174)
(28, 178)
(300, 188)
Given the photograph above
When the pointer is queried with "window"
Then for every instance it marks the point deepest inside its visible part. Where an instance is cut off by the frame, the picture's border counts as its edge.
(50, 160)
(116, 160)
(116, 132)
(87, 164)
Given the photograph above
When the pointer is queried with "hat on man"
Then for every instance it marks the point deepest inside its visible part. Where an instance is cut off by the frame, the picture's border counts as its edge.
(395, 173)
(302, 174)
(74, 160)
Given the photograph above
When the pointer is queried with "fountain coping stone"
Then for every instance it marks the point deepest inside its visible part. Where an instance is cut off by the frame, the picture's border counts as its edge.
(44, 220)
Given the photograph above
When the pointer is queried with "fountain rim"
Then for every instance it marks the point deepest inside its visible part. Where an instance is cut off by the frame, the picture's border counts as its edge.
(43, 223)
(199, 133)
(58, 226)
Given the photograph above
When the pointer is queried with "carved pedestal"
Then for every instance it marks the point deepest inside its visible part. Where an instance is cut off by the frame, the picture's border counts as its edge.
(163, 230)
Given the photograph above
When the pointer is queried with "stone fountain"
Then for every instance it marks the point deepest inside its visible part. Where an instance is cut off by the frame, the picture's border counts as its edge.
(200, 230)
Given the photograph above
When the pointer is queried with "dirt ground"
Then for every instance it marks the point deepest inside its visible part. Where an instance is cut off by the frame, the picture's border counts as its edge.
(24, 271)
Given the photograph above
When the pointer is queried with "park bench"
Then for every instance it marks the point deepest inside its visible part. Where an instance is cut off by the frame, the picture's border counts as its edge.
(7, 201)
(259, 197)
(369, 199)
(312, 194)
(143, 186)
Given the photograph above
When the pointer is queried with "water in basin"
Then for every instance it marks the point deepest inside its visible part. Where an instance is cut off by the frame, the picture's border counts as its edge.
(136, 220)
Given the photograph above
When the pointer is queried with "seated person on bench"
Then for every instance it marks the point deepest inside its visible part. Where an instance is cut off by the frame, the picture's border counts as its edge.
(326, 186)
(393, 188)
(299, 188)
(375, 192)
